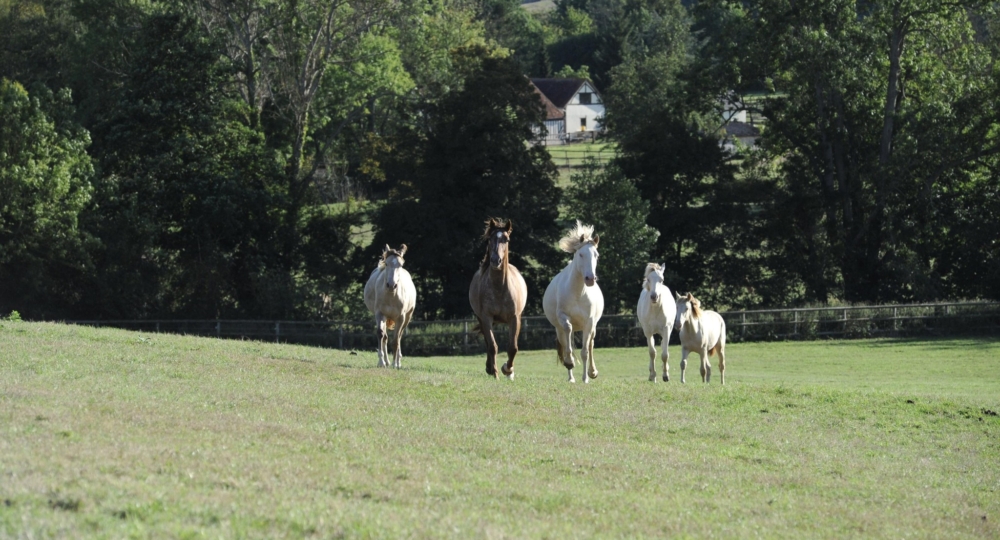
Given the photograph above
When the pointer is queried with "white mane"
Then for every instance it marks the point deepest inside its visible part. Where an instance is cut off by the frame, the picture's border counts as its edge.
(650, 267)
(577, 237)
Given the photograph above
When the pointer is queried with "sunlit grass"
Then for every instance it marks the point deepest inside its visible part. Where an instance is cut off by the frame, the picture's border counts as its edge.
(107, 433)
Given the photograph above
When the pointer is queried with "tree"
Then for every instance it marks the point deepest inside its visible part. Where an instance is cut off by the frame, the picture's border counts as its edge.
(885, 109)
(45, 183)
(512, 27)
(188, 204)
(605, 198)
(474, 164)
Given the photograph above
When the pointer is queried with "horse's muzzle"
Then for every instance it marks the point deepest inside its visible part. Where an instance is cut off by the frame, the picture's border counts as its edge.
(391, 286)
(589, 281)
(654, 298)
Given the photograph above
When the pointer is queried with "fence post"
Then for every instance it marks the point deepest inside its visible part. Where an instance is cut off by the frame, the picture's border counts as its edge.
(895, 320)
(157, 327)
(844, 331)
(340, 331)
(796, 325)
(743, 327)
(277, 331)
(218, 328)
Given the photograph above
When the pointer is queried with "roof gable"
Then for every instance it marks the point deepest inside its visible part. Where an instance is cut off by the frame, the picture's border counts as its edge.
(558, 91)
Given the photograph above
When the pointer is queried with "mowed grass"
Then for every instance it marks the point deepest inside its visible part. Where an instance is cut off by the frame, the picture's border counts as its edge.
(108, 433)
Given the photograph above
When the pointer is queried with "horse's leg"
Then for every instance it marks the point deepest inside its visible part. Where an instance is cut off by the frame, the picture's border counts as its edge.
(380, 334)
(651, 344)
(590, 362)
(398, 354)
(721, 347)
(665, 355)
(491, 346)
(515, 329)
(684, 362)
(706, 367)
(565, 335)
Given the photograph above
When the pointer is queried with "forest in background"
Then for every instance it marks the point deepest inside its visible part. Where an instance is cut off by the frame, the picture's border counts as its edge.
(249, 158)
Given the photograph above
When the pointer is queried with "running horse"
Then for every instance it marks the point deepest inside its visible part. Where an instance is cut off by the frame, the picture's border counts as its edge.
(573, 301)
(498, 294)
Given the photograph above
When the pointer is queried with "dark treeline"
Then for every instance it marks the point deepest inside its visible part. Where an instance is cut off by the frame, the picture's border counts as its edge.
(249, 158)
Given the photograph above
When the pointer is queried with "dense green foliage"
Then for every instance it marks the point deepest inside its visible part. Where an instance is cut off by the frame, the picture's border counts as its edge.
(245, 159)
(45, 182)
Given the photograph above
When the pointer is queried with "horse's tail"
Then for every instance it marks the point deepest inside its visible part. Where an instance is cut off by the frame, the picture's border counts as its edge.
(390, 323)
(559, 352)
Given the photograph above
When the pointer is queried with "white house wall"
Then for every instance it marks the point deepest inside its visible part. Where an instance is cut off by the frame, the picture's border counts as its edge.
(575, 111)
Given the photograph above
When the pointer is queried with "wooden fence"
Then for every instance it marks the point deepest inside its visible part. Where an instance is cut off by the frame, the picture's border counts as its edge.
(456, 336)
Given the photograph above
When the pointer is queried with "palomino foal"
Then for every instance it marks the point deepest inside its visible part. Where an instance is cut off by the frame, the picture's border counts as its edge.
(656, 312)
(497, 294)
(574, 302)
(391, 296)
(703, 332)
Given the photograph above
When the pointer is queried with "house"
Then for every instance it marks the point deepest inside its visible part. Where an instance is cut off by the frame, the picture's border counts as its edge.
(573, 109)
(742, 132)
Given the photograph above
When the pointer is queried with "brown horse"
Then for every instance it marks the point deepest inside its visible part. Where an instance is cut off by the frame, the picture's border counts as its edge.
(498, 294)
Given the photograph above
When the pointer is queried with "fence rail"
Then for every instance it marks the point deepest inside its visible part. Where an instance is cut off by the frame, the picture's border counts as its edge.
(456, 336)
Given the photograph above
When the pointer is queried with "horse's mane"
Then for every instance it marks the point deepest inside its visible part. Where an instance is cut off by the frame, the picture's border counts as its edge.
(650, 267)
(695, 306)
(577, 237)
(387, 252)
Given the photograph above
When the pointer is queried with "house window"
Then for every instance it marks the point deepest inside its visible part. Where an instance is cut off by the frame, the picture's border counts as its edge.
(583, 124)
(585, 98)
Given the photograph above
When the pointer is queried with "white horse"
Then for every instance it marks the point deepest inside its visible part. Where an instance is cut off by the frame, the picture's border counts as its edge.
(656, 312)
(574, 302)
(703, 332)
(390, 295)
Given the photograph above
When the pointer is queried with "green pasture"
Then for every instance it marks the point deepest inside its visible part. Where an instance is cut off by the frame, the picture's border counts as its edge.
(112, 434)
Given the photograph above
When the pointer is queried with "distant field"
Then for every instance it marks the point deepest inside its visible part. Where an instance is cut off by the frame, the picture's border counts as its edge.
(538, 6)
(108, 433)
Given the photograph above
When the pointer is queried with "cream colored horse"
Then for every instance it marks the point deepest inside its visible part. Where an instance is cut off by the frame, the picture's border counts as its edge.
(390, 295)
(656, 312)
(703, 332)
(573, 301)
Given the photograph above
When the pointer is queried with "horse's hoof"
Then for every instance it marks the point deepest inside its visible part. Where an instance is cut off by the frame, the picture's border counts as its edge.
(506, 371)
(652, 378)
(593, 375)
(666, 378)
(511, 376)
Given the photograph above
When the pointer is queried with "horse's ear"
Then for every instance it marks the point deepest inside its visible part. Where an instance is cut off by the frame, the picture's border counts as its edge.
(663, 267)
(385, 250)
(597, 238)
(510, 225)
(402, 250)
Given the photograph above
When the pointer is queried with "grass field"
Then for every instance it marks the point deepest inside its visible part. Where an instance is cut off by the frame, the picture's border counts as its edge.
(108, 433)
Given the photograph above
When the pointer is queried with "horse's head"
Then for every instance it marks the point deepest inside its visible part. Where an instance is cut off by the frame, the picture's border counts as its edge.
(654, 276)
(585, 261)
(392, 261)
(688, 307)
(582, 243)
(497, 236)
